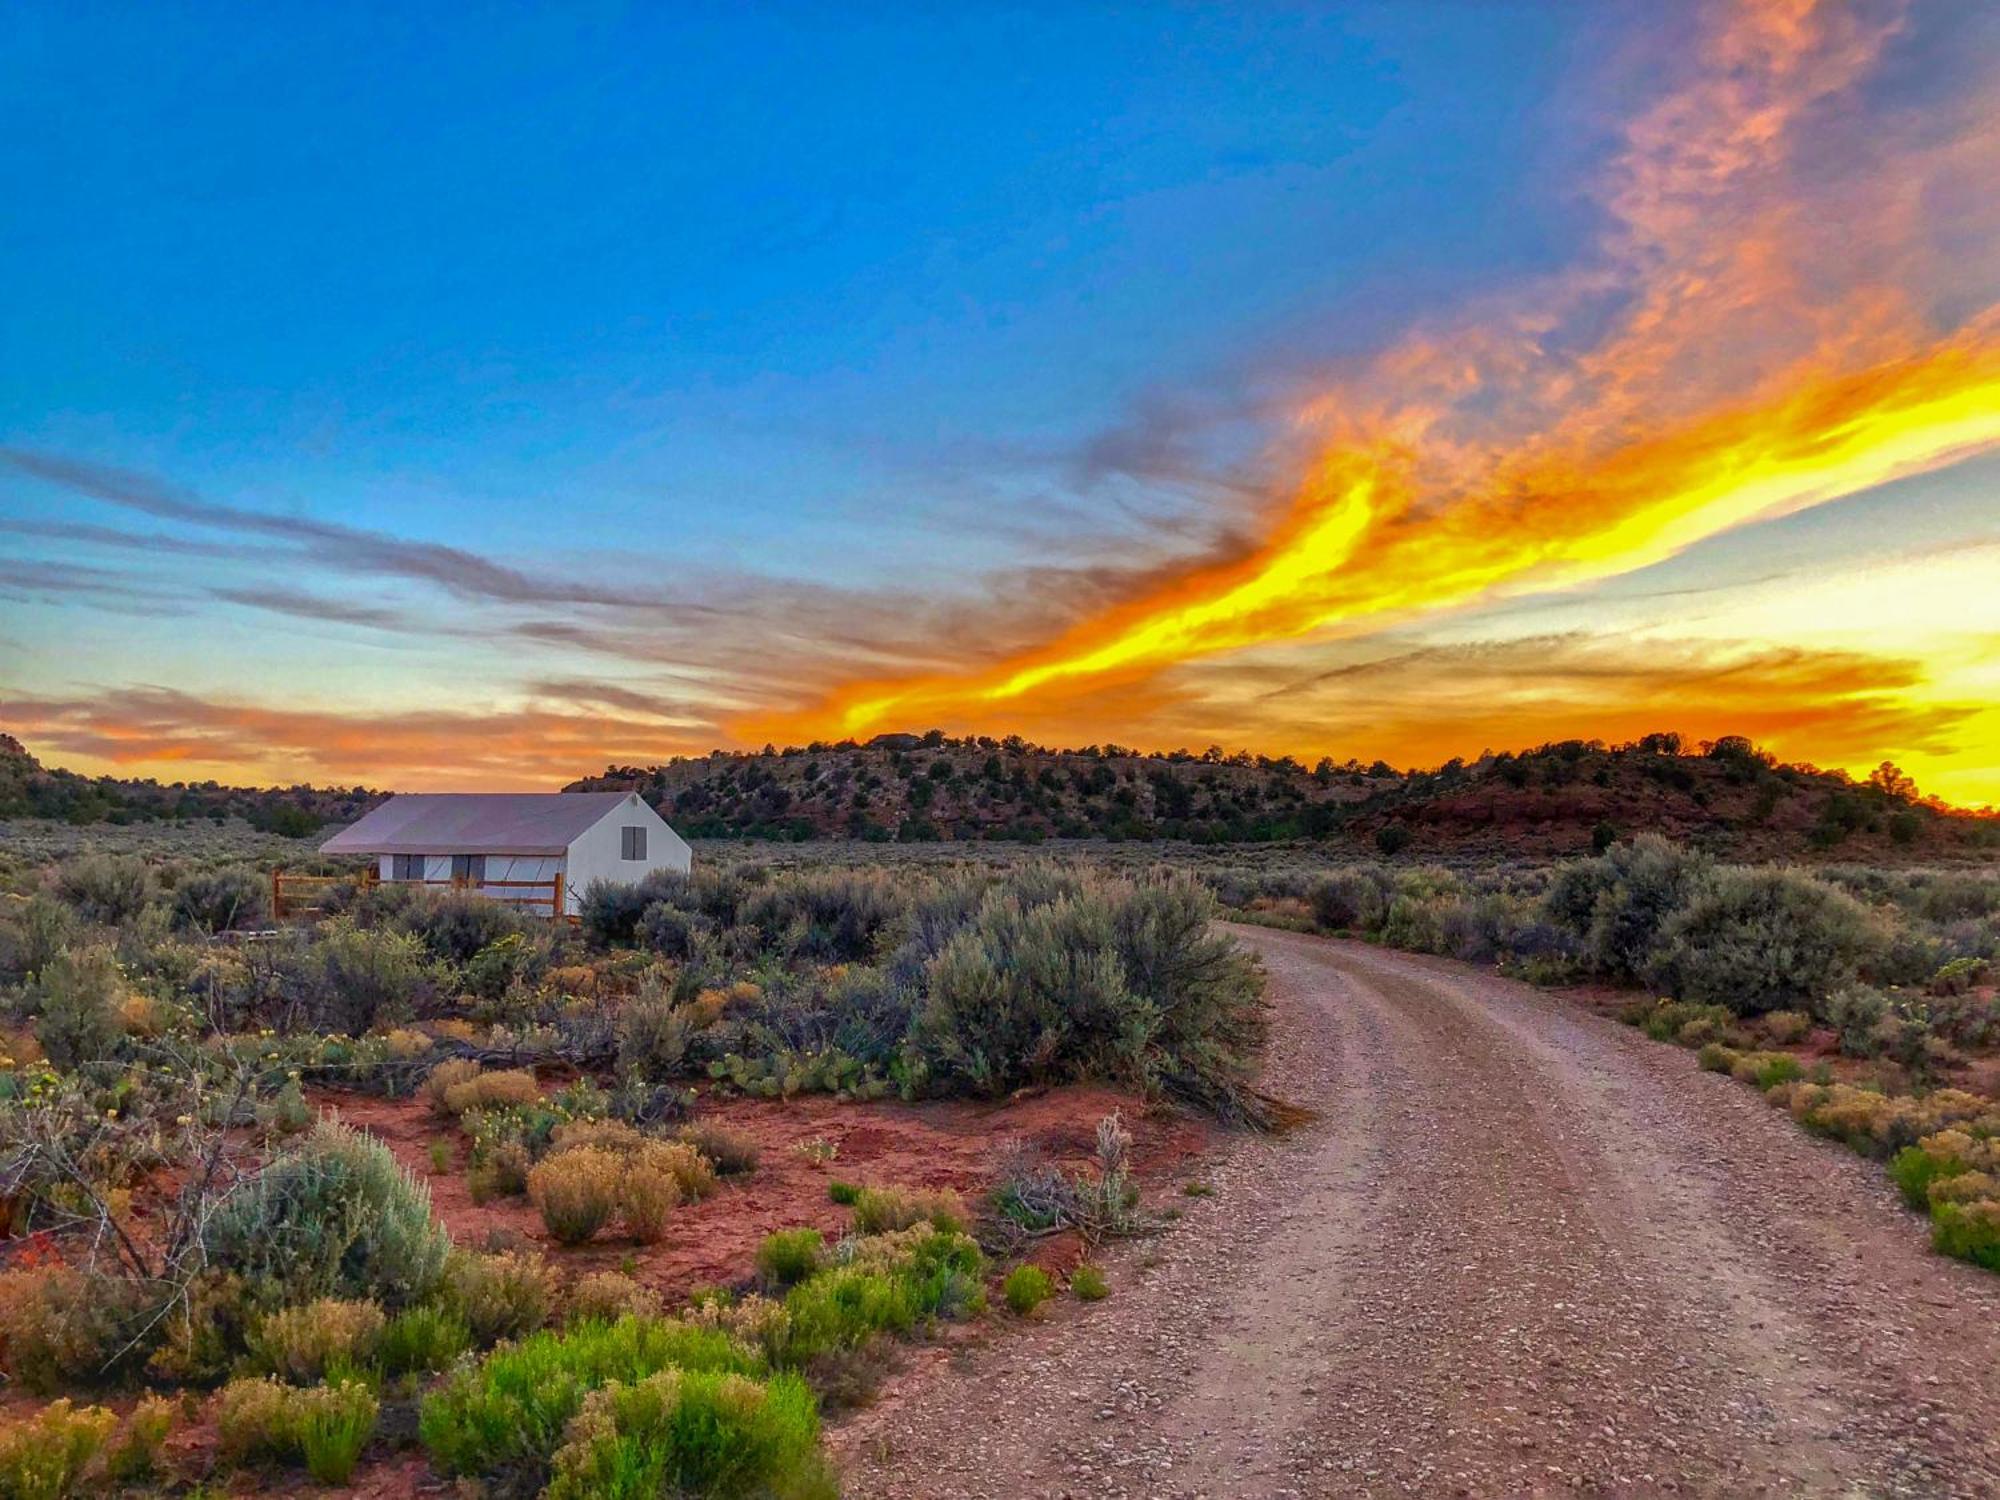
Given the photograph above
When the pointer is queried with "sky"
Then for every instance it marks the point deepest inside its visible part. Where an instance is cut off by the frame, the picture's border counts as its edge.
(475, 396)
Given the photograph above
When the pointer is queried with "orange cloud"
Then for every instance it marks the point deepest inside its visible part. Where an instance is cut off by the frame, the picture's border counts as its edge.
(1721, 361)
(537, 747)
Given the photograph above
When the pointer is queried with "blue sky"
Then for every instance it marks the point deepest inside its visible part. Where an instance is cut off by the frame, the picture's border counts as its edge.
(445, 272)
(888, 343)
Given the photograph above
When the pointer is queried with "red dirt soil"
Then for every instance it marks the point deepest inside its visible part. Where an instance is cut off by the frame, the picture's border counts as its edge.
(939, 1144)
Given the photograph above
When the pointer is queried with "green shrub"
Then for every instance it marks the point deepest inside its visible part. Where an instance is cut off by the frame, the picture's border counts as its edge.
(499, 1296)
(134, 1455)
(1716, 1058)
(302, 1344)
(1915, 1168)
(325, 1426)
(653, 1035)
(255, 1420)
(422, 1339)
(510, 1088)
(1762, 940)
(333, 1424)
(1108, 979)
(1766, 1069)
(42, 928)
(1968, 1231)
(1618, 904)
(367, 977)
(1679, 1021)
(443, 1077)
(789, 1256)
(1856, 1012)
(338, 1217)
(503, 964)
(667, 930)
(222, 900)
(1088, 1283)
(43, 1457)
(512, 1407)
(686, 1433)
(610, 910)
(108, 888)
(844, 1193)
(1026, 1288)
(1960, 976)
(843, 1307)
(77, 995)
(456, 926)
(1349, 900)
(576, 1192)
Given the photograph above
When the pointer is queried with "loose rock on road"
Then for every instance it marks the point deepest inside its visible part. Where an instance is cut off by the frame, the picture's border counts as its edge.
(1521, 1251)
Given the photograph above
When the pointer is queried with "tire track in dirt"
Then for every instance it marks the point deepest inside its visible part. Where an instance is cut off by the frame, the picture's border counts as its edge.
(1523, 1251)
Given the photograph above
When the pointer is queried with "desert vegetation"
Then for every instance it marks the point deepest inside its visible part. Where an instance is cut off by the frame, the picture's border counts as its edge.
(197, 1212)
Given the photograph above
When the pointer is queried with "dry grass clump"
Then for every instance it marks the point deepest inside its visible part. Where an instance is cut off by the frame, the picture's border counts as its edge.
(1787, 1028)
(1877, 1124)
(607, 1296)
(878, 1209)
(689, 1169)
(44, 1457)
(326, 1427)
(61, 1328)
(577, 1192)
(303, 1344)
(648, 1193)
(603, 1169)
(499, 1296)
(508, 1089)
(730, 1152)
(605, 1135)
(580, 1188)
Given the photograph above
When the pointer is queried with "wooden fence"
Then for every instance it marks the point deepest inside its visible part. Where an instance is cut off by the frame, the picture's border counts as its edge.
(305, 895)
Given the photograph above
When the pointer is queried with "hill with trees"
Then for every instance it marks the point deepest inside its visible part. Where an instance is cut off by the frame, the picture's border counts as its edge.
(1726, 796)
(1562, 798)
(29, 790)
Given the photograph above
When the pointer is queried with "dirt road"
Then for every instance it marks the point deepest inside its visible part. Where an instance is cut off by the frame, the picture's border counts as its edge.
(1523, 1251)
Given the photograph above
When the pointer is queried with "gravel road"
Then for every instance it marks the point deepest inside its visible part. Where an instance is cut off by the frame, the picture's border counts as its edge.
(1522, 1251)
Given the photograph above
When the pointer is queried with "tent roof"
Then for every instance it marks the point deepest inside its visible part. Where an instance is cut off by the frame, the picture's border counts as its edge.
(475, 823)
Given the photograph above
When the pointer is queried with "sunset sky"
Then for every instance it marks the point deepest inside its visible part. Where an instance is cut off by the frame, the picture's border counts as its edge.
(436, 397)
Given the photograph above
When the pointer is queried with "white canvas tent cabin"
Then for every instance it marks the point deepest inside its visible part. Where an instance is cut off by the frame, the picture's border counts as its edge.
(539, 851)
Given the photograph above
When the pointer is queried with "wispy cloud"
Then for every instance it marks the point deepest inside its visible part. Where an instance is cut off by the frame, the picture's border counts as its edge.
(507, 747)
(1714, 364)
(304, 606)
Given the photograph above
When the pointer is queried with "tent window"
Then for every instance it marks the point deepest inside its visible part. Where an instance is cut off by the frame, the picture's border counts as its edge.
(470, 868)
(633, 844)
(406, 867)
